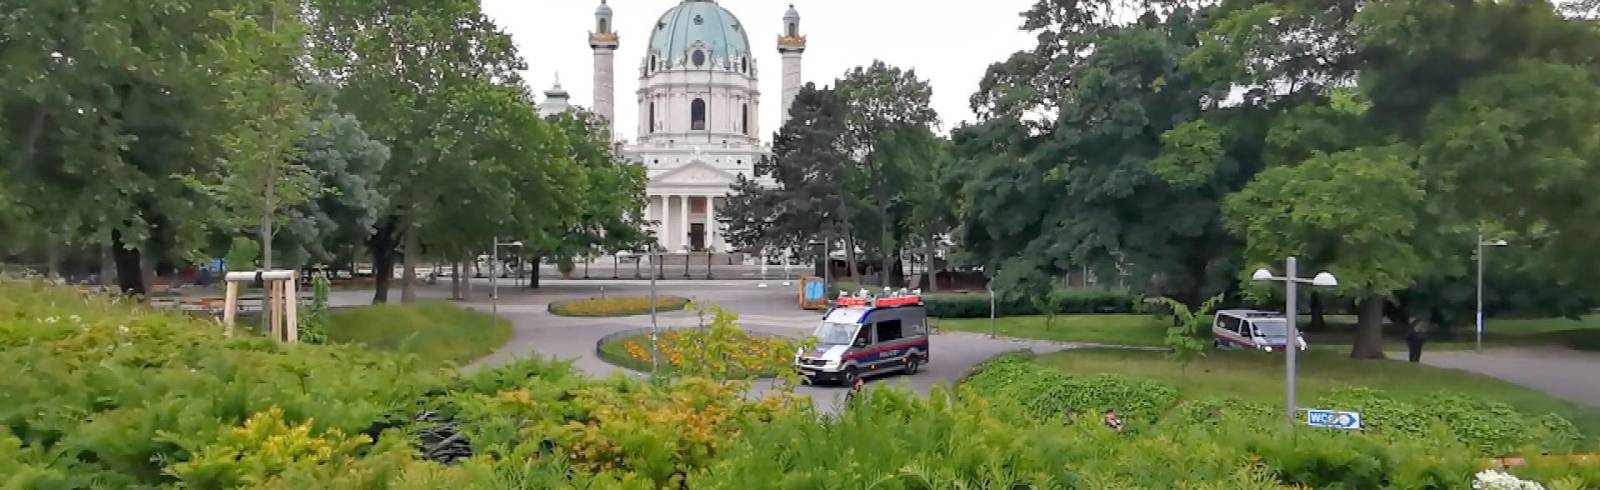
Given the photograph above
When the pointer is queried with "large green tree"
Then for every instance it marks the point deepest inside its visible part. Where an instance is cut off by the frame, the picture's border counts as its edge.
(888, 139)
(401, 67)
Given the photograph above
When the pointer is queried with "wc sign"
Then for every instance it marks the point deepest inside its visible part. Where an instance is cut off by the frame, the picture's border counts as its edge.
(1332, 419)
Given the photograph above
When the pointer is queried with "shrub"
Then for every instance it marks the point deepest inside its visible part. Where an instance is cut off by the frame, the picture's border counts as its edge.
(1070, 301)
(1048, 393)
(616, 306)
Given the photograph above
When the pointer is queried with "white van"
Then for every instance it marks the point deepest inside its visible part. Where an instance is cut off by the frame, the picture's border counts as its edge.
(863, 336)
(1252, 329)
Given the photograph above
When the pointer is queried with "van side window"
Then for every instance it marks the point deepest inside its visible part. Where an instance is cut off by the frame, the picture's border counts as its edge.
(919, 327)
(890, 330)
(864, 336)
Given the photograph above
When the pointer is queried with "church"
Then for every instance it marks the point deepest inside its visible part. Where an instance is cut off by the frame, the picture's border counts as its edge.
(699, 104)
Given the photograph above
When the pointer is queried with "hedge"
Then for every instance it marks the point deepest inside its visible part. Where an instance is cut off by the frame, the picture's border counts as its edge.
(1074, 301)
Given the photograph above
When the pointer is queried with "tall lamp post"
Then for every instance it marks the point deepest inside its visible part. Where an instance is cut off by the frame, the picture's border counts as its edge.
(494, 284)
(1481, 244)
(709, 251)
(686, 251)
(650, 250)
(1291, 340)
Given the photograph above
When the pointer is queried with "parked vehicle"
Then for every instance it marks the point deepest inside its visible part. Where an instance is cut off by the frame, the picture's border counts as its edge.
(862, 336)
(1252, 329)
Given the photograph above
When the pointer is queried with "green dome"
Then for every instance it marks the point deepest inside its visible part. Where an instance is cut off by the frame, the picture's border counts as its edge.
(698, 23)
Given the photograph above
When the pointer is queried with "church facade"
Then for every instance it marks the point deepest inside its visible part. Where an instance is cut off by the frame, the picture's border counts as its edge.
(699, 104)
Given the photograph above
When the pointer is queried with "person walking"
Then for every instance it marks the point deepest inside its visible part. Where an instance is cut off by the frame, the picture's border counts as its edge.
(855, 390)
(1112, 421)
(1414, 340)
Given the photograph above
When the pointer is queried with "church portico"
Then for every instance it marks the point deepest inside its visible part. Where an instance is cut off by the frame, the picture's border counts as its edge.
(688, 219)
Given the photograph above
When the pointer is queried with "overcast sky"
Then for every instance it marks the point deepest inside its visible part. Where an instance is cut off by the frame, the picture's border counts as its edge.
(949, 42)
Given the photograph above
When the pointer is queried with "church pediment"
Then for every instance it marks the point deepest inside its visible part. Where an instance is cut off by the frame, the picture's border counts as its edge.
(695, 173)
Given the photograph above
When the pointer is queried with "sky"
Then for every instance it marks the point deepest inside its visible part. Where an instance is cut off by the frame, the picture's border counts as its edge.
(948, 42)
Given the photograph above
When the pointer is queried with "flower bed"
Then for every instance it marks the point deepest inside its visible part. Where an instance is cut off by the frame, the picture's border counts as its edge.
(616, 306)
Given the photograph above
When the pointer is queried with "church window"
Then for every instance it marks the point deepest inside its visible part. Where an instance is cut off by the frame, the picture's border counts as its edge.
(744, 124)
(794, 29)
(653, 65)
(652, 117)
(604, 26)
(697, 115)
(699, 57)
(698, 20)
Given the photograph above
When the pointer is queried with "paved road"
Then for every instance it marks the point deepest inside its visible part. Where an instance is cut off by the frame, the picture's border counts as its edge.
(770, 310)
(1560, 372)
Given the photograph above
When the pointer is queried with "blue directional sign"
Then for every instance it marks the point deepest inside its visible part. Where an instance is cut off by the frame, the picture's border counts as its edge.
(1333, 419)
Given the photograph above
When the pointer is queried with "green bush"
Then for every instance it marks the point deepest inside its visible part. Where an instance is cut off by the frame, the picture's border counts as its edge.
(1048, 393)
(615, 306)
(1071, 301)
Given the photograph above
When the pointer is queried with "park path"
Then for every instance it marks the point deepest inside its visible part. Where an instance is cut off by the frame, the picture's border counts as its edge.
(1563, 373)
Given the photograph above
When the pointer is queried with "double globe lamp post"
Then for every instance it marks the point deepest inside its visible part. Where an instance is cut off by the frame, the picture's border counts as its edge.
(1291, 281)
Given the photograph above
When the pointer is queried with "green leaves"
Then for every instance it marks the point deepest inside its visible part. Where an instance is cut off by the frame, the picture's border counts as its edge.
(1353, 212)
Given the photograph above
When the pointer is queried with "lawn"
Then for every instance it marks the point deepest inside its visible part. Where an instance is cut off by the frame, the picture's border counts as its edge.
(1258, 377)
(437, 332)
(1120, 329)
(1582, 334)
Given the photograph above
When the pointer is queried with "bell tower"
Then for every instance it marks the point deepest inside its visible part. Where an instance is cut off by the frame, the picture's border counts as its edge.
(603, 40)
(791, 44)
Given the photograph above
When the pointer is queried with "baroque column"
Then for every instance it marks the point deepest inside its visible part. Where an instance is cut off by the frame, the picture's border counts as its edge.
(604, 42)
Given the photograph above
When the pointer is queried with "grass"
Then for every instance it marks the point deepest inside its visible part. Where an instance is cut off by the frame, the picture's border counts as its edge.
(1580, 334)
(1120, 329)
(616, 306)
(1258, 377)
(438, 333)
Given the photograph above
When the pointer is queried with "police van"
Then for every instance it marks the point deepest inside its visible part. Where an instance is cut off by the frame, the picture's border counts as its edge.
(1251, 329)
(864, 335)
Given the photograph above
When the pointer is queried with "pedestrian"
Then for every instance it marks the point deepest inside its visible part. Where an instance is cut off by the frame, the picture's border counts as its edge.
(1414, 340)
(1112, 421)
(855, 389)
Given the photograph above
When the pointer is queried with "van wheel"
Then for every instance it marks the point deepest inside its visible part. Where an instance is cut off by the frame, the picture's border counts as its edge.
(913, 364)
(850, 376)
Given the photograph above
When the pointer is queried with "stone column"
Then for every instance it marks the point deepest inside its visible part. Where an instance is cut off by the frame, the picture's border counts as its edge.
(604, 41)
(683, 217)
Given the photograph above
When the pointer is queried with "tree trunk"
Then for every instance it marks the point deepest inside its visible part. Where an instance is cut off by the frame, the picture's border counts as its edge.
(108, 265)
(52, 257)
(533, 279)
(1319, 321)
(931, 267)
(1369, 329)
(455, 281)
(147, 265)
(129, 276)
(382, 243)
(266, 225)
(412, 255)
(850, 254)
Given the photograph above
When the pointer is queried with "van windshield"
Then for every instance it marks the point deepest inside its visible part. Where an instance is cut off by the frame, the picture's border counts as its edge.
(833, 333)
(1271, 328)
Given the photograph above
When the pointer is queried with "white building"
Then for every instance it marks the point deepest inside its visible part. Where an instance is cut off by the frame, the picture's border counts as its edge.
(699, 105)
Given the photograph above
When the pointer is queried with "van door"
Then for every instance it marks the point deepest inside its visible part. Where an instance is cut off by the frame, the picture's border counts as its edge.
(886, 333)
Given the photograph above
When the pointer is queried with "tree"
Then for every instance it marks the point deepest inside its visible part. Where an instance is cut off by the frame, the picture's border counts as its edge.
(610, 213)
(1190, 326)
(331, 226)
(1091, 154)
(808, 169)
(887, 136)
(263, 174)
(101, 128)
(1356, 212)
(398, 65)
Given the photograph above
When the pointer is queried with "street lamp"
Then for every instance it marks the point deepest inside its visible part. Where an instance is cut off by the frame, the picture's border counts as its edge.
(990, 286)
(763, 258)
(1291, 343)
(710, 249)
(494, 283)
(1481, 244)
(786, 261)
(650, 249)
(686, 251)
